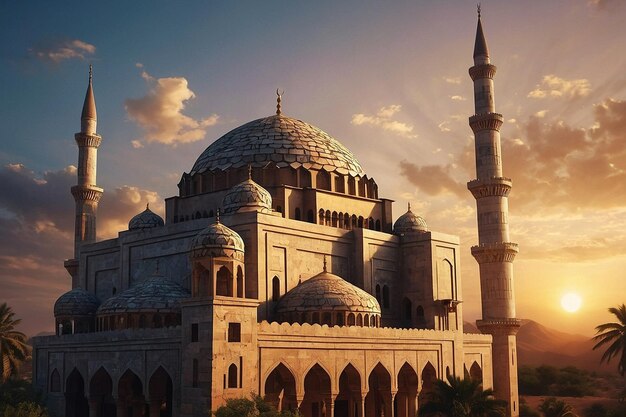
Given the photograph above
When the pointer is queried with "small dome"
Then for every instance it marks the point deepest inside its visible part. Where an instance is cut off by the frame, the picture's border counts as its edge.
(76, 302)
(410, 222)
(217, 240)
(247, 196)
(155, 294)
(326, 292)
(147, 219)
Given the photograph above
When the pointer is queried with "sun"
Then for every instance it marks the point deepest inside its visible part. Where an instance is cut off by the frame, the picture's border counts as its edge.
(571, 302)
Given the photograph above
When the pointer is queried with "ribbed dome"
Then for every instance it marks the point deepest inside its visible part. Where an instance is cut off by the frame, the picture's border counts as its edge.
(327, 292)
(76, 302)
(154, 294)
(281, 140)
(147, 219)
(247, 196)
(217, 240)
(409, 222)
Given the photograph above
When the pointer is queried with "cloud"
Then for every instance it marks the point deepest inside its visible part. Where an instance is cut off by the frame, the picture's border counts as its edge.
(432, 179)
(458, 98)
(452, 80)
(63, 50)
(553, 86)
(383, 119)
(37, 233)
(160, 112)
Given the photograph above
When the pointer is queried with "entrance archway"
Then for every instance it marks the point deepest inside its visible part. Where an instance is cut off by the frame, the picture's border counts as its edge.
(317, 394)
(348, 401)
(429, 376)
(130, 399)
(101, 401)
(160, 392)
(378, 398)
(404, 402)
(280, 389)
(75, 402)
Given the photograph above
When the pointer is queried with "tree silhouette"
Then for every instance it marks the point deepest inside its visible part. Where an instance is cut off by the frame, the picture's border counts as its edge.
(614, 335)
(551, 407)
(461, 398)
(13, 347)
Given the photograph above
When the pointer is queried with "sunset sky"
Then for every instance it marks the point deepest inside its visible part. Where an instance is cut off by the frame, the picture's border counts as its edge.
(387, 79)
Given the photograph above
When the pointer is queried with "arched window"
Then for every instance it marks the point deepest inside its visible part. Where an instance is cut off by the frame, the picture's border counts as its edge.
(360, 222)
(378, 293)
(315, 318)
(354, 221)
(224, 282)
(157, 322)
(275, 289)
(378, 225)
(351, 319)
(407, 308)
(385, 296)
(335, 219)
(351, 186)
(366, 320)
(359, 320)
(298, 215)
(326, 319)
(327, 219)
(305, 178)
(323, 180)
(371, 224)
(194, 374)
(55, 381)
(203, 284)
(340, 184)
(142, 321)
(240, 289)
(321, 216)
(372, 321)
(310, 217)
(232, 376)
(339, 321)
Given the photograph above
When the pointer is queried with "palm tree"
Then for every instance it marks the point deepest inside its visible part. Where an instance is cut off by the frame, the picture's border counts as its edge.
(461, 398)
(551, 407)
(615, 334)
(13, 347)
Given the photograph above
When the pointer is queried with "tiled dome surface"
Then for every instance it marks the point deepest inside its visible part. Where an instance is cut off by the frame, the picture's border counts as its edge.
(217, 240)
(76, 302)
(145, 220)
(154, 294)
(279, 139)
(409, 222)
(247, 194)
(327, 292)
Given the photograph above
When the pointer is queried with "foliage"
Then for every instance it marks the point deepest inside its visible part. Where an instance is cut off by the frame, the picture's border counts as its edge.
(547, 380)
(461, 398)
(525, 410)
(255, 407)
(551, 407)
(19, 399)
(614, 335)
(13, 347)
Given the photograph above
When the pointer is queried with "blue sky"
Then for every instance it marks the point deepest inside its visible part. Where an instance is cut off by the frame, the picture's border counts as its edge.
(389, 80)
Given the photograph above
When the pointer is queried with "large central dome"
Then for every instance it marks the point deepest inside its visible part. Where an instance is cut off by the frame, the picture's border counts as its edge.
(281, 140)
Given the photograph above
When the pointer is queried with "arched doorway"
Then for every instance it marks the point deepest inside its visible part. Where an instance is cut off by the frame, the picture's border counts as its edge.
(404, 402)
(130, 399)
(280, 389)
(317, 398)
(75, 401)
(429, 376)
(378, 398)
(476, 373)
(224, 284)
(160, 392)
(348, 401)
(101, 401)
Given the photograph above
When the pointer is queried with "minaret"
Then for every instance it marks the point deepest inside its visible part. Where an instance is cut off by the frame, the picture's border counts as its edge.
(495, 252)
(86, 193)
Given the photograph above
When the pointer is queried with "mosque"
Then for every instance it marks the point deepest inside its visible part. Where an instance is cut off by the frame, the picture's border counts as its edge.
(278, 270)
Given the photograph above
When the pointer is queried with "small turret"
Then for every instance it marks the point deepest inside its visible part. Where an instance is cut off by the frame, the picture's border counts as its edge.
(89, 117)
(481, 52)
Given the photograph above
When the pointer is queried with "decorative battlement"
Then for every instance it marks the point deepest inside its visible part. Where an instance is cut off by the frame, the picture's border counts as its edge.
(490, 187)
(507, 326)
(83, 139)
(486, 121)
(482, 71)
(87, 193)
(495, 252)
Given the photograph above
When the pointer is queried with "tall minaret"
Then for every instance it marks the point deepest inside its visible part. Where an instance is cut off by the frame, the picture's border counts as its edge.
(495, 252)
(86, 193)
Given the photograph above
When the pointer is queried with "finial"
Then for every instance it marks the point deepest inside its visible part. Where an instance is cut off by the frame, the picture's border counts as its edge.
(249, 171)
(478, 9)
(147, 206)
(279, 97)
(409, 206)
(324, 263)
(217, 216)
(90, 73)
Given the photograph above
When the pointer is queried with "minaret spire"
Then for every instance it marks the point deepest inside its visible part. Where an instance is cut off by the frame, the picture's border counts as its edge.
(86, 193)
(494, 253)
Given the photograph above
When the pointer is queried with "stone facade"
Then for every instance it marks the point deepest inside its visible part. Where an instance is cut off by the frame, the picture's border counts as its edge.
(277, 271)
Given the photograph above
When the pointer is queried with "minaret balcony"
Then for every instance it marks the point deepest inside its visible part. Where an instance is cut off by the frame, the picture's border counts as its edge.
(482, 71)
(486, 121)
(87, 193)
(84, 139)
(490, 187)
(495, 252)
(504, 326)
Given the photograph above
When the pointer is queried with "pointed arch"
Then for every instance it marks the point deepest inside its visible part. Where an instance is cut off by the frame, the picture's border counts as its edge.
(55, 381)
(349, 398)
(275, 289)
(101, 392)
(378, 398)
(427, 380)
(224, 284)
(75, 402)
(280, 388)
(232, 376)
(407, 383)
(130, 390)
(317, 391)
(475, 372)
